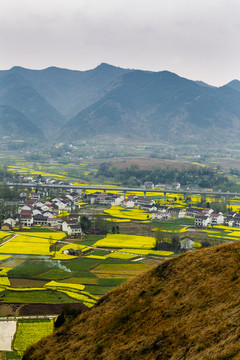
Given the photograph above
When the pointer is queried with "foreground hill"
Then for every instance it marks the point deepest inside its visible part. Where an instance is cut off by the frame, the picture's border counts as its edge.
(186, 308)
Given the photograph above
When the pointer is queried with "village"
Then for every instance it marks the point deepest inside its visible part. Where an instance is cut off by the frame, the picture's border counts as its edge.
(61, 210)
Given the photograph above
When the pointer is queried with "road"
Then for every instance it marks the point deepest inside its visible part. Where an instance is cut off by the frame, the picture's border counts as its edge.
(124, 189)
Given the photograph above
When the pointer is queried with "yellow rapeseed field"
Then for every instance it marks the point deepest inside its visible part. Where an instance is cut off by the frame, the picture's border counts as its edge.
(4, 234)
(4, 257)
(31, 245)
(57, 285)
(126, 241)
(148, 252)
(122, 213)
(4, 281)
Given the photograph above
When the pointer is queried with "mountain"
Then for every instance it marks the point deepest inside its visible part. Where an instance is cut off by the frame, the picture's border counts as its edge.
(234, 84)
(13, 123)
(202, 83)
(110, 101)
(185, 308)
(51, 96)
(68, 91)
(160, 106)
(16, 91)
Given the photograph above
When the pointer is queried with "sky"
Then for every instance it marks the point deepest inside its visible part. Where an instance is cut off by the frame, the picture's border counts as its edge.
(196, 39)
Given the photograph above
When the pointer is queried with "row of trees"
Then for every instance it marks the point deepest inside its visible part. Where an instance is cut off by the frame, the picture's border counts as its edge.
(192, 176)
(97, 225)
(166, 241)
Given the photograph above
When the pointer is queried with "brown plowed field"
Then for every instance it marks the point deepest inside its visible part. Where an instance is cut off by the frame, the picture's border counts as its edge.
(48, 309)
(149, 163)
(37, 309)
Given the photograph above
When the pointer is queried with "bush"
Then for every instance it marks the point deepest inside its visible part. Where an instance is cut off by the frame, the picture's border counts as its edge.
(66, 316)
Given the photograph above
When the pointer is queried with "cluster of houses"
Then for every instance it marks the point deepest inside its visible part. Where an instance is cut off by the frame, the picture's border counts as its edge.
(41, 180)
(119, 200)
(202, 218)
(35, 211)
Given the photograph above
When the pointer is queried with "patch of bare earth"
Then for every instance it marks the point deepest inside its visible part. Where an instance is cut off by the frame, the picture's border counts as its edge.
(49, 309)
(10, 309)
(26, 283)
(12, 263)
(149, 163)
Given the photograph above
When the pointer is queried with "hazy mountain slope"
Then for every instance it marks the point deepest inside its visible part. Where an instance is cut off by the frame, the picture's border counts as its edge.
(186, 308)
(234, 84)
(202, 83)
(16, 125)
(16, 92)
(111, 101)
(159, 105)
(68, 91)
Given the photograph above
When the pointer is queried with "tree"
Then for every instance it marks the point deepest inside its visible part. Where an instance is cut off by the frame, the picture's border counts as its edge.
(164, 242)
(67, 315)
(175, 242)
(100, 225)
(85, 223)
(159, 236)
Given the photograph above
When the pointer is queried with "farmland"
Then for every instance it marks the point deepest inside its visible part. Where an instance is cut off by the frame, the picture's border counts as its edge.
(29, 332)
(34, 269)
(31, 272)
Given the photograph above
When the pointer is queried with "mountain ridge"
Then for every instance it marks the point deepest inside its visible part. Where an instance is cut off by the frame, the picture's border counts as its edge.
(69, 105)
(162, 106)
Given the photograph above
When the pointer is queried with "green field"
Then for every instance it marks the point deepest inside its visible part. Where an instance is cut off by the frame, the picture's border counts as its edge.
(40, 296)
(34, 267)
(174, 225)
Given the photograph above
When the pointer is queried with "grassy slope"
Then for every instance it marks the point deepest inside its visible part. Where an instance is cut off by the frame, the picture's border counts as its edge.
(186, 308)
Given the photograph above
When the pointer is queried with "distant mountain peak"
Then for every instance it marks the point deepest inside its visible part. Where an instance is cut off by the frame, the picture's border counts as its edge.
(107, 67)
(17, 68)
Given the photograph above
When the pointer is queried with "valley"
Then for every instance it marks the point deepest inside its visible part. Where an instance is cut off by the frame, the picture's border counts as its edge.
(45, 269)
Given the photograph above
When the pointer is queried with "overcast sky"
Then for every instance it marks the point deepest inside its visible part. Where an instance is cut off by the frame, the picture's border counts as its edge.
(196, 39)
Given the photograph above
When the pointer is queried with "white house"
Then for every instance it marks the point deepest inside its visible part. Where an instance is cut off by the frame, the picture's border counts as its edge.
(217, 219)
(177, 185)
(35, 196)
(161, 215)
(117, 201)
(39, 204)
(26, 218)
(36, 212)
(192, 212)
(202, 220)
(44, 208)
(128, 203)
(74, 230)
(186, 244)
(67, 223)
(48, 214)
(55, 222)
(25, 207)
(12, 222)
(177, 212)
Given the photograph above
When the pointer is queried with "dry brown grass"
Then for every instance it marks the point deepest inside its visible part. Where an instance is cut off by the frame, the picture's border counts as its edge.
(28, 283)
(149, 163)
(185, 308)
